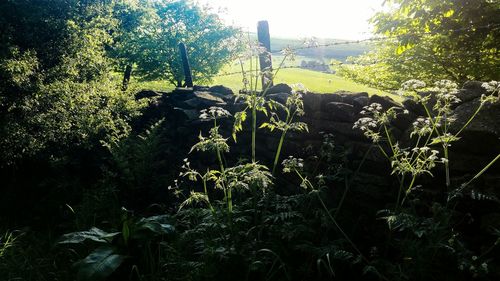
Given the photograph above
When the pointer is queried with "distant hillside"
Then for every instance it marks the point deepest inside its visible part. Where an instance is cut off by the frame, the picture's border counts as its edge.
(338, 52)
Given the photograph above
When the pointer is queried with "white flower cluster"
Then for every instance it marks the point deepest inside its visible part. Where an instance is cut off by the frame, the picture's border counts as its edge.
(491, 86)
(370, 123)
(214, 112)
(365, 123)
(422, 127)
(446, 94)
(413, 85)
(372, 108)
(292, 164)
(425, 149)
(375, 118)
(410, 89)
(445, 86)
(448, 98)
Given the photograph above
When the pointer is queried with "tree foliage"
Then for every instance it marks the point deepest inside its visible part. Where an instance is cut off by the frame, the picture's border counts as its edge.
(432, 39)
(56, 90)
(58, 61)
(154, 46)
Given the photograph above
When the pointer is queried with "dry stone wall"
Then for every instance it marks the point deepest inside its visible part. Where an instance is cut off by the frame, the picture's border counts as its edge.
(331, 113)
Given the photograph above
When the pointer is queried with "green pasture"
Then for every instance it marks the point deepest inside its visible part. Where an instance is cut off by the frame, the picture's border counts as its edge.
(314, 81)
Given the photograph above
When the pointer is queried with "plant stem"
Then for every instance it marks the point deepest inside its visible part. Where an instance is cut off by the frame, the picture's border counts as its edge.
(206, 194)
(219, 157)
(409, 189)
(434, 125)
(254, 128)
(222, 170)
(279, 67)
(229, 201)
(400, 191)
(389, 139)
(278, 151)
(288, 121)
(446, 165)
(344, 194)
(482, 171)
(383, 152)
(470, 120)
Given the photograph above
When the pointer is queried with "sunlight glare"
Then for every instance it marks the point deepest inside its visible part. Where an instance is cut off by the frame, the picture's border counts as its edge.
(339, 19)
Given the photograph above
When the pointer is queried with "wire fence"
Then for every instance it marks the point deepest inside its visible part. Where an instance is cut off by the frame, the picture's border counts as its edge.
(313, 44)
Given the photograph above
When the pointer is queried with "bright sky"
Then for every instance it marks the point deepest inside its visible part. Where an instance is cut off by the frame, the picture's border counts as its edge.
(339, 19)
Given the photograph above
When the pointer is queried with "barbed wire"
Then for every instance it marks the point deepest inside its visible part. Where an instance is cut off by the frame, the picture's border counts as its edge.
(313, 45)
(348, 42)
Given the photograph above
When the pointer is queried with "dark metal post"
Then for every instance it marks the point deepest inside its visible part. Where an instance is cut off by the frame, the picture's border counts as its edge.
(188, 78)
(265, 60)
(126, 77)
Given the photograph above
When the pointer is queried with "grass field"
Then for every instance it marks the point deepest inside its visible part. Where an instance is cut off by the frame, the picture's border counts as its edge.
(314, 81)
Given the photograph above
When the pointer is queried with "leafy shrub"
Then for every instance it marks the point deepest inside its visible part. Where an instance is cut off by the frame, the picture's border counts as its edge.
(136, 239)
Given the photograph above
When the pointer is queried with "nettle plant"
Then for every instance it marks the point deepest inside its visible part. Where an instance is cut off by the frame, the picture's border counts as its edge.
(433, 132)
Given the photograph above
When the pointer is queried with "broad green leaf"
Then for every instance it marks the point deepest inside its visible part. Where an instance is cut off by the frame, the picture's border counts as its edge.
(99, 264)
(94, 234)
(156, 224)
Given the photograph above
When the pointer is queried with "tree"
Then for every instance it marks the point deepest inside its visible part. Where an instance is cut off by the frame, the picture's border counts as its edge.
(432, 39)
(153, 48)
(56, 91)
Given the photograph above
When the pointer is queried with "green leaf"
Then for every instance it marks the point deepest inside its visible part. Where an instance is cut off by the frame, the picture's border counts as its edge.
(271, 127)
(94, 234)
(239, 118)
(156, 224)
(448, 13)
(195, 197)
(401, 49)
(99, 264)
(370, 269)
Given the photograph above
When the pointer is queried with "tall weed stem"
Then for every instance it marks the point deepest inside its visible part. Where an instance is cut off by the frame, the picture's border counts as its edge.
(278, 151)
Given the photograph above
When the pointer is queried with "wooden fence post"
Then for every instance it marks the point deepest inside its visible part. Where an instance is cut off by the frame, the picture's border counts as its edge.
(188, 78)
(265, 60)
(126, 77)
